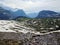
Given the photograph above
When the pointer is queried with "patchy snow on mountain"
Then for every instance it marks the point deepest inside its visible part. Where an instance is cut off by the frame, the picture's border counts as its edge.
(14, 26)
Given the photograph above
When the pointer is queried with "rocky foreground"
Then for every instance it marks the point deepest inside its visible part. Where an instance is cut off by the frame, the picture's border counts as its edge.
(15, 33)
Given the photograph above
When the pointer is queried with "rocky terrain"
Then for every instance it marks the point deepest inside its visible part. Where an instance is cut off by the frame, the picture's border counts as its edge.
(15, 33)
(13, 26)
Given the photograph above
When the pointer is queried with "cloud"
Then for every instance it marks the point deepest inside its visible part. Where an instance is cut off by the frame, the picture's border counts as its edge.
(33, 5)
(1, 0)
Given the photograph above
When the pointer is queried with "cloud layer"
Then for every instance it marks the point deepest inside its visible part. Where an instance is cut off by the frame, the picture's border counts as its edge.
(33, 5)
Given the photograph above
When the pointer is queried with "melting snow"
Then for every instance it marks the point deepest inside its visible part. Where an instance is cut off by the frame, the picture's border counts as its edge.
(13, 26)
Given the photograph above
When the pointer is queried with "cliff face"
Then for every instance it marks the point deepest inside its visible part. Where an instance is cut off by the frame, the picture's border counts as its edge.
(29, 38)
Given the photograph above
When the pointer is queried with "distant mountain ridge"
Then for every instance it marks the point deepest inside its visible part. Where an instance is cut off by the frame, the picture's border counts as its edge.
(4, 14)
(20, 13)
(9, 14)
(47, 13)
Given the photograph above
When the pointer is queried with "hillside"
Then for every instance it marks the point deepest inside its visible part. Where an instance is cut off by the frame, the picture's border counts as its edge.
(10, 14)
(48, 14)
(4, 14)
(43, 24)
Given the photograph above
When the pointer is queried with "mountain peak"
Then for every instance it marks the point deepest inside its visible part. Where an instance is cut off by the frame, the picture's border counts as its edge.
(20, 12)
(47, 13)
(9, 14)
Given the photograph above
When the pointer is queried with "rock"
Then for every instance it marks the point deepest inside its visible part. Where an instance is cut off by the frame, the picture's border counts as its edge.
(47, 39)
(31, 39)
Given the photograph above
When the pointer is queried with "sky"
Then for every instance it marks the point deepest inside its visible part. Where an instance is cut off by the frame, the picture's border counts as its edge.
(33, 5)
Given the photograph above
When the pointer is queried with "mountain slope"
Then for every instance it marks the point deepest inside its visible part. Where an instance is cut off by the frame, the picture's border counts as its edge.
(47, 13)
(19, 14)
(4, 14)
(10, 14)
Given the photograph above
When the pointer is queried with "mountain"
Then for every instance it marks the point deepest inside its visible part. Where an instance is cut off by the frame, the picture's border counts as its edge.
(19, 14)
(10, 14)
(4, 14)
(47, 13)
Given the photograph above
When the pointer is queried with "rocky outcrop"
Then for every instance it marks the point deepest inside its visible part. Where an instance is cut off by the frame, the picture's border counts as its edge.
(48, 39)
(31, 38)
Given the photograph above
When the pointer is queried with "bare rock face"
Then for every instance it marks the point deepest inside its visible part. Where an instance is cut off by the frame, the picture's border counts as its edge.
(30, 38)
(47, 39)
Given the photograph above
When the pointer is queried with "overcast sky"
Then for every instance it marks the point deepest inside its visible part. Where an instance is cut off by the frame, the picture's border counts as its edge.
(33, 5)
